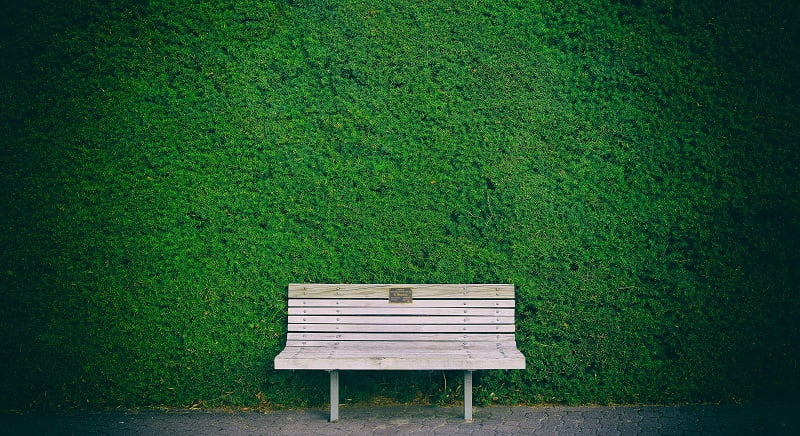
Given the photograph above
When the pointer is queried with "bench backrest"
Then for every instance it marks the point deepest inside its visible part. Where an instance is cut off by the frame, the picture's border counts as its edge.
(322, 314)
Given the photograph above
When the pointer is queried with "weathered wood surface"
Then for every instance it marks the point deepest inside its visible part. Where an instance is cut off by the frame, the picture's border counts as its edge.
(343, 326)
(422, 328)
(406, 309)
(429, 337)
(354, 302)
(323, 319)
(316, 290)
(464, 361)
(401, 347)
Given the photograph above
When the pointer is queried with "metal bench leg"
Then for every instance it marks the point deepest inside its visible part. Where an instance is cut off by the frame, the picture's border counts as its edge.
(334, 396)
(468, 395)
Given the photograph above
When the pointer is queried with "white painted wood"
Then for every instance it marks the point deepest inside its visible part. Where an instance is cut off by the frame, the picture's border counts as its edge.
(457, 337)
(401, 328)
(430, 362)
(319, 319)
(334, 396)
(420, 291)
(468, 395)
(325, 354)
(360, 302)
(400, 310)
(375, 347)
(313, 343)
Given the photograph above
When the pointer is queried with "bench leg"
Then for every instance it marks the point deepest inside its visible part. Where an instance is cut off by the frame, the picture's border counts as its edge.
(334, 396)
(468, 395)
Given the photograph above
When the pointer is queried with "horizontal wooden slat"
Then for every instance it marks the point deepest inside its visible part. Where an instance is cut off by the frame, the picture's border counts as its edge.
(323, 352)
(400, 310)
(463, 360)
(401, 328)
(331, 302)
(371, 347)
(368, 348)
(399, 364)
(377, 347)
(445, 337)
(321, 319)
(419, 291)
(398, 350)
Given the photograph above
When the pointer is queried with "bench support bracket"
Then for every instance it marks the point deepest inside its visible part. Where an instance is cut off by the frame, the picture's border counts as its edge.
(334, 396)
(468, 395)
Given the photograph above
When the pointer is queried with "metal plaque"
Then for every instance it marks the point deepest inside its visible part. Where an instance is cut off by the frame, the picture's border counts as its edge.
(400, 295)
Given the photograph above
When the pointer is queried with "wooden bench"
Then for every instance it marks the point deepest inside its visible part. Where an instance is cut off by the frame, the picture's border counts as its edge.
(337, 327)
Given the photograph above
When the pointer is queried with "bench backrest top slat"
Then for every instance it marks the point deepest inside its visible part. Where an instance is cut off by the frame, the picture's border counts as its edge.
(419, 291)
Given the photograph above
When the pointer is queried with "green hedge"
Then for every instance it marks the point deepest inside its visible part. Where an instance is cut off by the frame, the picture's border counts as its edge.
(169, 166)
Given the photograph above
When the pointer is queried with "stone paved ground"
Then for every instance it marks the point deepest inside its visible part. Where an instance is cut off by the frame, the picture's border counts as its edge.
(756, 419)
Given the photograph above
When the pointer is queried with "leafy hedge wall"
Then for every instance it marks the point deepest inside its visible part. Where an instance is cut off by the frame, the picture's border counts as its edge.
(169, 166)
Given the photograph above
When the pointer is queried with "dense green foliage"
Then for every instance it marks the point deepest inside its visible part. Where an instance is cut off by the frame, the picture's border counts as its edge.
(169, 166)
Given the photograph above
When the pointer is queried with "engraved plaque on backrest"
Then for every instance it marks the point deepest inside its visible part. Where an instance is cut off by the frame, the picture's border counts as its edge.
(400, 295)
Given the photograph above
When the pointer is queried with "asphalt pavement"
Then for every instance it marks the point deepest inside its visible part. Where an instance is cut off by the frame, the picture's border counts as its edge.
(749, 419)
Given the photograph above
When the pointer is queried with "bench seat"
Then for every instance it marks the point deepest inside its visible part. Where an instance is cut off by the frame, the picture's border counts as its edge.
(402, 355)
